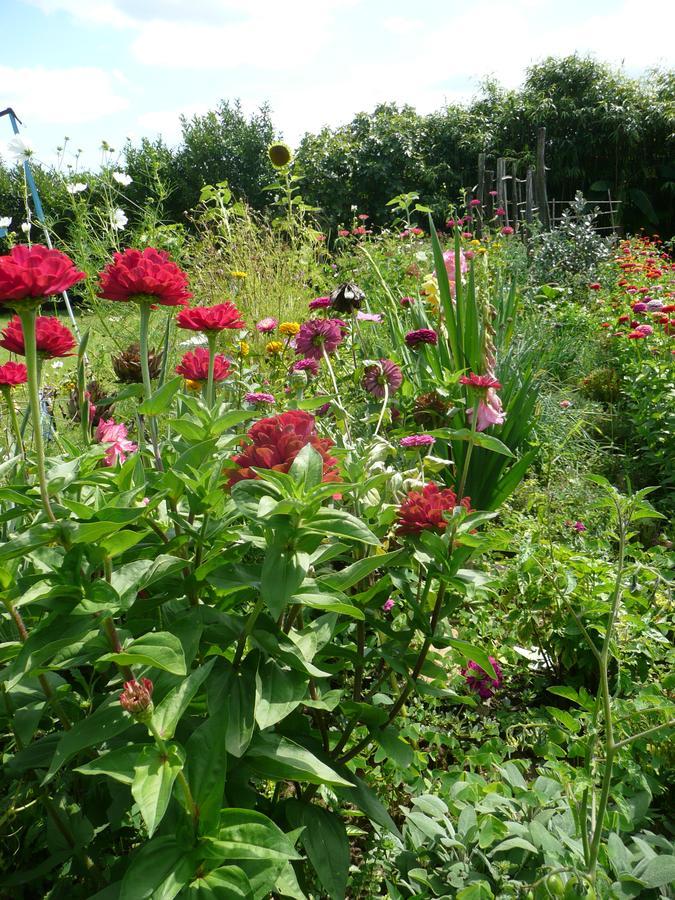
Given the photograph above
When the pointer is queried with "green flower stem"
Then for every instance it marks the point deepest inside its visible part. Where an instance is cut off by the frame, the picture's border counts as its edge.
(337, 395)
(212, 337)
(27, 317)
(14, 421)
(248, 628)
(467, 458)
(382, 411)
(147, 382)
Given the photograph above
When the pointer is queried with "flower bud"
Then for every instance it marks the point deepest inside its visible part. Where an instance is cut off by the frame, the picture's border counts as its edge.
(136, 698)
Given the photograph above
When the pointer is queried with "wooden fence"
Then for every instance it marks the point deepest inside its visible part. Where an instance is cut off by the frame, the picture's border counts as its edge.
(525, 200)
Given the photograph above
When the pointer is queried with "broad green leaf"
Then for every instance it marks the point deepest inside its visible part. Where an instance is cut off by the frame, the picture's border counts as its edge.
(24, 542)
(283, 572)
(167, 714)
(206, 768)
(245, 834)
(158, 870)
(118, 764)
(106, 722)
(234, 691)
(479, 438)
(324, 839)
(471, 653)
(225, 883)
(328, 603)
(659, 872)
(278, 692)
(273, 756)
(154, 775)
(365, 799)
(160, 649)
(307, 467)
(160, 401)
(342, 524)
(491, 829)
(394, 746)
(359, 570)
(515, 843)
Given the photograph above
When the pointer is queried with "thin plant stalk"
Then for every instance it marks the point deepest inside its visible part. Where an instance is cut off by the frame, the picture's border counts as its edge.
(210, 394)
(337, 394)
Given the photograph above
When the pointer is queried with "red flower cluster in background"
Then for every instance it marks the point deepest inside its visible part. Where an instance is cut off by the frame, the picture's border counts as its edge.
(12, 374)
(28, 273)
(276, 441)
(210, 318)
(146, 274)
(52, 338)
(424, 509)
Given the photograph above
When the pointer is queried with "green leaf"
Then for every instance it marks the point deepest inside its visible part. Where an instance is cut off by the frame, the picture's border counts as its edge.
(225, 883)
(160, 649)
(343, 524)
(395, 748)
(479, 438)
(307, 468)
(324, 839)
(118, 764)
(659, 872)
(491, 830)
(515, 843)
(278, 692)
(158, 870)
(359, 570)
(283, 572)
(245, 834)
(167, 714)
(273, 756)
(160, 401)
(234, 691)
(104, 723)
(328, 603)
(206, 768)
(471, 653)
(154, 775)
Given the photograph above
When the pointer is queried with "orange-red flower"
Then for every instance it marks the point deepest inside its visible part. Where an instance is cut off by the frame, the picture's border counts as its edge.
(210, 318)
(28, 273)
(13, 373)
(51, 337)
(424, 509)
(144, 274)
(276, 441)
(195, 366)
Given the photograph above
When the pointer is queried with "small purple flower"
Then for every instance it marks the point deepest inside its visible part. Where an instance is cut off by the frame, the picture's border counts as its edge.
(322, 410)
(388, 605)
(311, 366)
(259, 399)
(645, 329)
(480, 682)
(320, 303)
(265, 326)
(383, 373)
(315, 335)
(421, 336)
(577, 526)
(417, 440)
(654, 305)
(406, 301)
(369, 317)
(639, 306)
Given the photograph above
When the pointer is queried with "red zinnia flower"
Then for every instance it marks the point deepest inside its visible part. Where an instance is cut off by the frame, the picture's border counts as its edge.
(52, 338)
(144, 274)
(376, 376)
(195, 365)
(13, 373)
(424, 509)
(210, 318)
(480, 382)
(276, 441)
(421, 336)
(32, 272)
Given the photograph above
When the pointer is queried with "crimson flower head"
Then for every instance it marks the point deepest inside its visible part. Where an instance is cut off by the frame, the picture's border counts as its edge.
(320, 302)
(414, 441)
(29, 273)
(195, 365)
(144, 274)
(137, 695)
(12, 374)
(421, 336)
(311, 366)
(317, 334)
(480, 382)
(52, 338)
(210, 318)
(276, 441)
(424, 509)
(479, 681)
(385, 373)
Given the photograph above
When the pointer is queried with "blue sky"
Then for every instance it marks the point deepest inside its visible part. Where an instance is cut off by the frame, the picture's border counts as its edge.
(108, 69)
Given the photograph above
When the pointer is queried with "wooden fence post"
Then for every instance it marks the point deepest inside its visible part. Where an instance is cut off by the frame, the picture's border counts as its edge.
(489, 199)
(501, 189)
(540, 179)
(529, 195)
(514, 195)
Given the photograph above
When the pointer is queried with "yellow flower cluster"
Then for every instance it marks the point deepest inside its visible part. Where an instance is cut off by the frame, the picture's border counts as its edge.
(244, 348)
(274, 348)
(237, 274)
(289, 328)
(429, 290)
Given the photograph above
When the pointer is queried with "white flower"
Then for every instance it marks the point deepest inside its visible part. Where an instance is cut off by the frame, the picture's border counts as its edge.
(20, 149)
(76, 188)
(197, 341)
(57, 364)
(119, 220)
(122, 178)
(5, 222)
(26, 227)
(421, 255)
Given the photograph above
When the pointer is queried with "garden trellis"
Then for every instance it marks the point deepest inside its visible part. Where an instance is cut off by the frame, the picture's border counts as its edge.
(15, 121)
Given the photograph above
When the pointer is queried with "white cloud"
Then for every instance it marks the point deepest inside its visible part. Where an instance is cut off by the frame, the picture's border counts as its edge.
(167, 122)
(61, 96)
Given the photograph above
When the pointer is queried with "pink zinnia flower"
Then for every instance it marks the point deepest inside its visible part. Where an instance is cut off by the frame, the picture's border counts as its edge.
(500, 211)
(480, 382)
(406, 301)
(265, 326)
(311, 366)
(474, 203)
(259, 398)
(645, 329)
(385, 373)
(639, 307)
(315, 335)
(417, 440)
(388, 605)
(479, 681)
(506, 230)
(320, 303)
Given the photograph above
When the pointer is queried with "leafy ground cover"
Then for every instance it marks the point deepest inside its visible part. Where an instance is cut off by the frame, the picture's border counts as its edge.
(336, 571)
